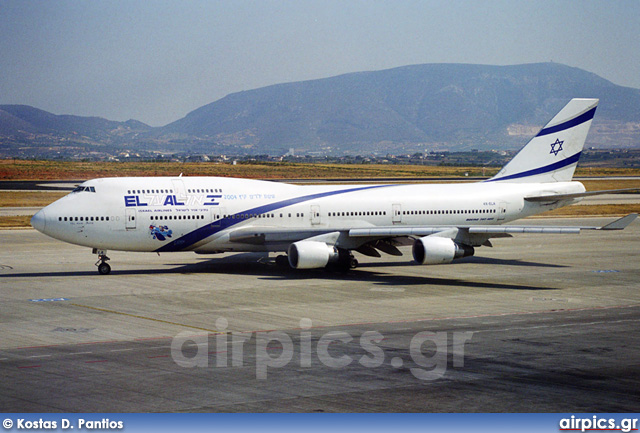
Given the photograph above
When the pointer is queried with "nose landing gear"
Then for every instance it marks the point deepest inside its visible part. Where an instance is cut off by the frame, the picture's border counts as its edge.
(103, 266)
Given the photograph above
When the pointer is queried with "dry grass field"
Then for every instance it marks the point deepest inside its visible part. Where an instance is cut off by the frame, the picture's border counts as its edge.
(29, 198)
(14, 222)
(61, 170)
(56, 170)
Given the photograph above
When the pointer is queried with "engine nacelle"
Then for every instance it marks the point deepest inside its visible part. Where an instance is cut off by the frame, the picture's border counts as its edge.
(311, 255)
(432, 250)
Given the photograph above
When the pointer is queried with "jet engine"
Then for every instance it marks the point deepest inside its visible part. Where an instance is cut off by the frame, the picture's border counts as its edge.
(311, 254)
(433, 250)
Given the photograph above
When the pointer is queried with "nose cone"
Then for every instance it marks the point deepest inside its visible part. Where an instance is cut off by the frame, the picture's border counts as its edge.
(38, 221)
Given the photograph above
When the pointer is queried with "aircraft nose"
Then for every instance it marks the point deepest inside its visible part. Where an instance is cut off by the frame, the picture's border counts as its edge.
(38, 221)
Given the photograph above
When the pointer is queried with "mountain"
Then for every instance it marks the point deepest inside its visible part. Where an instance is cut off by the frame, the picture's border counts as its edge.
(44, 134)
(455, 106)
(401, 110)
(17, 119)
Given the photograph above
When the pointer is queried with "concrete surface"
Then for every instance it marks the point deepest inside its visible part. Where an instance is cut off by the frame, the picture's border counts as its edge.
(537, 323)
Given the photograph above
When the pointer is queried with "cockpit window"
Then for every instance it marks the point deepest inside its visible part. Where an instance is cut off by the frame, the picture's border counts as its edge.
(84, 188)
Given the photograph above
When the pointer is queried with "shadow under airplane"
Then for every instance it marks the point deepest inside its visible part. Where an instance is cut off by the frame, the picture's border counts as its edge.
(257, 264)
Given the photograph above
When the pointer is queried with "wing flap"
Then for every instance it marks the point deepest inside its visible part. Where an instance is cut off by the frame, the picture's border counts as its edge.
(513, 230)
(490, 230)
(398, 231)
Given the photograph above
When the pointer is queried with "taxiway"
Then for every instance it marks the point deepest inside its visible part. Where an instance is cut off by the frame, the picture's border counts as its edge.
(544, 323)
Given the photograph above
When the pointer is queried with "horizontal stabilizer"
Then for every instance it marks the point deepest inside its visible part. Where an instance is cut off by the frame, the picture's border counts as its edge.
(621, 223)
(558, 197)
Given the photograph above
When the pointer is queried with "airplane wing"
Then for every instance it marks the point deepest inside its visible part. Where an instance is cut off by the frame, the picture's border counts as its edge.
(316, 247)
(355, 237)
(618, 224)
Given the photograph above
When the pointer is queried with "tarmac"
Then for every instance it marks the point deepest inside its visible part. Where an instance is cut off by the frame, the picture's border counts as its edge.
(539, 323)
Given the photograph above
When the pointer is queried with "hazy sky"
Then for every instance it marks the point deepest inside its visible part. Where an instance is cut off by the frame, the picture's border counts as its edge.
(155, 61)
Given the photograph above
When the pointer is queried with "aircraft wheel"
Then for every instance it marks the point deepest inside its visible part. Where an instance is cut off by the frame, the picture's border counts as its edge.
(104, 268)
(282, 261)
(345, 262)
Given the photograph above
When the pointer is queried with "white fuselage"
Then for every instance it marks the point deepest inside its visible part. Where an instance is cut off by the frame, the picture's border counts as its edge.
(200, 213)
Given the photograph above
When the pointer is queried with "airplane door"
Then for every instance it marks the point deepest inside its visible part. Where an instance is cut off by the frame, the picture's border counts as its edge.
(396, 213)
(315, 214)
(179, 190)
(130, 218)
(216, 215)
(502, 211)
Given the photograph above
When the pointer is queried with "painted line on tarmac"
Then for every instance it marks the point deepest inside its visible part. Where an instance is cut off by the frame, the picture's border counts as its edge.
(104, 310)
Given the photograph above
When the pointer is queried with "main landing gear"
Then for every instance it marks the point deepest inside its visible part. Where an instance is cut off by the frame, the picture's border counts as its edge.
(103, 266)
(282, 261)
(346, 261)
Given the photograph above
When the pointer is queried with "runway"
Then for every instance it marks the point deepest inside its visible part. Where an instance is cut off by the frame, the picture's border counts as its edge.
(537, 323)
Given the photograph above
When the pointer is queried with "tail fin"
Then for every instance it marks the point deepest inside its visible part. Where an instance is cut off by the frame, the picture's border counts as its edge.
(552, 155)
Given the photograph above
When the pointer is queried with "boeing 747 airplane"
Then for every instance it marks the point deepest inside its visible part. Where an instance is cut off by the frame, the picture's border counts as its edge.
(319, 226)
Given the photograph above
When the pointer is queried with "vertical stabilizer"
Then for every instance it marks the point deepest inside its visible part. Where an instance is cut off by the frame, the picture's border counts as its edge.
(552, 155)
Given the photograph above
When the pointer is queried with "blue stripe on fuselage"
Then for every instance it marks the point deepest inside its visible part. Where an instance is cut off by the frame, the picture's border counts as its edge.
(212, 228)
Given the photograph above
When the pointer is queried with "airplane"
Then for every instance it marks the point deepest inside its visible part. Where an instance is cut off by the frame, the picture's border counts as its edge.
(321, 226)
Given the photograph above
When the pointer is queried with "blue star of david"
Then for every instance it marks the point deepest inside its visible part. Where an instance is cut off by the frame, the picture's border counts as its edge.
(555, 150)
